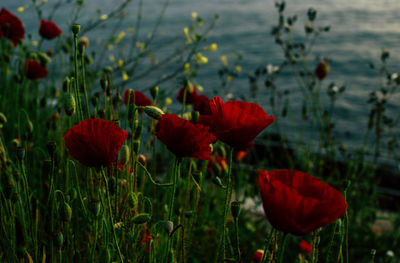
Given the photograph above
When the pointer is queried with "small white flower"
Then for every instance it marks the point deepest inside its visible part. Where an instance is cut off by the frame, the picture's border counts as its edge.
(390, 253)
(272, 69)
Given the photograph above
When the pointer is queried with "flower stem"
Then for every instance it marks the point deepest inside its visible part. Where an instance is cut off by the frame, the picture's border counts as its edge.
(228, 193)
(111, 216)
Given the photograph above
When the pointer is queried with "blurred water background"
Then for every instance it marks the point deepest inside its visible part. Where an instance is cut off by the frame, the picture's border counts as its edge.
(360, 29)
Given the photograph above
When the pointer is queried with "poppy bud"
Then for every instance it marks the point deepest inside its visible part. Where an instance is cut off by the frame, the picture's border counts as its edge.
(29, 126)
(95, 208)
(141, 218)
(235, 209)
(124, 154)
(133, 199)
(59, 238)
(51, 147)
(104, 83)
(169, 226)
(44, 58)
(69, 104)
(108, 70)
(3, 119)
(322, 70)
(73, 194)
(154, 92)
(84, 41)
(142, 159)
(66, 212)
(76, 28)
(305, 247)
(258, 256)
(153, 112)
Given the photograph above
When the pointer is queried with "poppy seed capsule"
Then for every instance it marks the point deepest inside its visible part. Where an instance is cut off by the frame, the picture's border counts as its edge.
(141, 218)
(124, 154)
(154, 92)
(153, 111)
(59, 238)
(76, 28)
(168, 226)
(66, 213)
(95, 208)
(69, 104)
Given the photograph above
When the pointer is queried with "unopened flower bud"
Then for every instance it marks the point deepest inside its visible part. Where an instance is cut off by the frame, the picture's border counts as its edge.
(133, 199)
(258, 255)
(322, 70)
(76, 28)
(235, 209)
(142, 159)
(44, 58)
(3, 119)
(59, 238)
(69, 104)
(218, 182)
(95, 208)
(124, 154)
(29, 126)
(141, 218)
(169, 226)
(84, 41)
(154, 92)
(66, 212)
(108, 70)
(153, 112)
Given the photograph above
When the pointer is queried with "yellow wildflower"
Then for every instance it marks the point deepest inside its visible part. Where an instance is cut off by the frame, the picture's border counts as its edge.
(224, 60)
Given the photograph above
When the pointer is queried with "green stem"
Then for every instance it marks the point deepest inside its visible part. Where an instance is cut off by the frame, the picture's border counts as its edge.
(282, 248)
(228, 193)
(237, 239)
(76, 88)
(84, 82)
(111, 216)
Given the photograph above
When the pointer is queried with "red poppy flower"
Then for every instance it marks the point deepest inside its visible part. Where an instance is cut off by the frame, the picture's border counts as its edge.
(322, 70)
(140, 98)
(146, 240)
(191, 94)
(11, 27)
(297, 203)
(183, 138)
(49, 30)
(236, 123)
(201, 103)
(95, 142)
(305, 247)
(33, 70)
(258, 255)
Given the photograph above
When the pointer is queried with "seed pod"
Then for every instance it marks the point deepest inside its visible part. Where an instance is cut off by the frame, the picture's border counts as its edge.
(138, 132)
(142, 159)
(66, 213)
(141, 218)
(76, 28)
(168, 226)
(69, 104)
(95, 208)
(59, 238)
(124, 155)
(154, 92)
